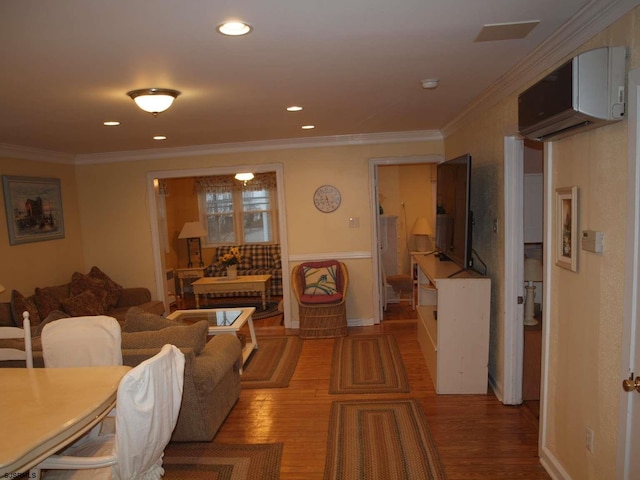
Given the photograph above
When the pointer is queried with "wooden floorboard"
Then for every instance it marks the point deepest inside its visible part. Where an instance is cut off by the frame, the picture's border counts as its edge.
(477, 437)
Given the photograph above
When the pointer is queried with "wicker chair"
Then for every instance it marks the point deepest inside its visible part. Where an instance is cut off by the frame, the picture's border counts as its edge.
(321, 316)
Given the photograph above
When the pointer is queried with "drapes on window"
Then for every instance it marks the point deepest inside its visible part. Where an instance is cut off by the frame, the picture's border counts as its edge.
(227, 183)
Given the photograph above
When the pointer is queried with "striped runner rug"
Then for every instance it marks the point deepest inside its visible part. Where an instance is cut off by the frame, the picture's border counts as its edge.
(367, 364)
(218, 461)
(380, 439)
(273, 364)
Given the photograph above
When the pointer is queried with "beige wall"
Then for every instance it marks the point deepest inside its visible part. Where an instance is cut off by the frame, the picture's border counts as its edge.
(40, 264)
(586, 307)
(117, 230)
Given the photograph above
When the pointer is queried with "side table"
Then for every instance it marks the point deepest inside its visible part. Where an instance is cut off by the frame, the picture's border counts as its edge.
(189, 273)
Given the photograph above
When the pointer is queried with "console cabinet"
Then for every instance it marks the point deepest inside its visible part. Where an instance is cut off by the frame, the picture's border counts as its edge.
(453, 325)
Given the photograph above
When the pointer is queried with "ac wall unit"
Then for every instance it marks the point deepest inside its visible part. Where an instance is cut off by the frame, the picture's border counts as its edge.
(586, 92)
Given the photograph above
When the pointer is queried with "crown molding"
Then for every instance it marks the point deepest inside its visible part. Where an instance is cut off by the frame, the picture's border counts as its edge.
(263, 145)
(28, 153)
(584, 25)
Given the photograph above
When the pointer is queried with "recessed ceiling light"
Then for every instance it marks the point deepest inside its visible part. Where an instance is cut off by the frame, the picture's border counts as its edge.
(294, 108)
(111, 124)
(159, 137)
(308, 127)
(234, 29)
(430, 83)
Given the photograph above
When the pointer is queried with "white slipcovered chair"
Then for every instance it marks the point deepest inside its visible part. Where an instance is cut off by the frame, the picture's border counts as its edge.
(149, 398)
(10, 353)
(82, 342)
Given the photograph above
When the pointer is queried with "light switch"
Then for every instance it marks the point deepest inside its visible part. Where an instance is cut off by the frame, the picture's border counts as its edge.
(354, 222)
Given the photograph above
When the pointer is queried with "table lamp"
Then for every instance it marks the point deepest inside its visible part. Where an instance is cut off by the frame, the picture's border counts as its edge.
(422, 229)
(532, 273)
(193, 232)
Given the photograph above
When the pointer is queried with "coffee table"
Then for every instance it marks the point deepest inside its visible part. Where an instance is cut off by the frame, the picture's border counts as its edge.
(243, 283)
(221, 321)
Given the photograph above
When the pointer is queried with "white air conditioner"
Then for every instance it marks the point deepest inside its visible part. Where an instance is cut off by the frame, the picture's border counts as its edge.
(586, 92)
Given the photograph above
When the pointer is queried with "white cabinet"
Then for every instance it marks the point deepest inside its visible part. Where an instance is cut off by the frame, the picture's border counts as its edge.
(453, 325)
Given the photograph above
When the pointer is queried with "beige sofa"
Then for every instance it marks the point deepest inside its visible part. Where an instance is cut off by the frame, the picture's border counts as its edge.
(211, 375)
(91, 294)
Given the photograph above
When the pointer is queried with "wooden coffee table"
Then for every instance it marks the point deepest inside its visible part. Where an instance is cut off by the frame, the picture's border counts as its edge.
(244, 283)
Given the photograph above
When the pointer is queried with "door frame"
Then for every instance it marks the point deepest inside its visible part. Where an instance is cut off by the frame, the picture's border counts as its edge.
(158, 255)
(374, 163)
(628, 434)
(513, 346)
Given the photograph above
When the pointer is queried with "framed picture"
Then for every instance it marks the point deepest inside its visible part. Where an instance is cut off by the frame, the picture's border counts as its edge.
(34, 209)
(567, 228)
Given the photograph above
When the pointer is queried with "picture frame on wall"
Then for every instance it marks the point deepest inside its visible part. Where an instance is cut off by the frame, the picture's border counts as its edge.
(33, 207)
(567, 228)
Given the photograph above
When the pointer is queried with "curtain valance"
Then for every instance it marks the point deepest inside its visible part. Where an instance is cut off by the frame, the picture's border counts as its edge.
(227, 183)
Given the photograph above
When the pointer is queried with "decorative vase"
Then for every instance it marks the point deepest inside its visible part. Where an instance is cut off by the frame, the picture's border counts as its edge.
(232, 272)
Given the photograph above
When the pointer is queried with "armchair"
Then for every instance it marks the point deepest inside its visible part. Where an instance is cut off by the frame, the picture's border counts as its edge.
(321, 290)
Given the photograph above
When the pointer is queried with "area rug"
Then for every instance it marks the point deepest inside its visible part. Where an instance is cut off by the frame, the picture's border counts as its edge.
(273, 364)
(379, 439)
(367, 364)
(270, 311)
(218, 461)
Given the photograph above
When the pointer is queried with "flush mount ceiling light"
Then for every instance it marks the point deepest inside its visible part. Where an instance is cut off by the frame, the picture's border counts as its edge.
(111, 123)
(234, 29)
(308, 127)
(244, 177)
(294, 108)
(154, 100)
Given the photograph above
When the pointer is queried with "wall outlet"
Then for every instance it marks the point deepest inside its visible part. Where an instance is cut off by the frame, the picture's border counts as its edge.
(589, 439)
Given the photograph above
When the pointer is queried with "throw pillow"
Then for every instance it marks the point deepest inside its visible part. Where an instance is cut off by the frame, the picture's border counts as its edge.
(20, 303)
(85, 304)
(114, 290)
(81, 283)
(46, 302)
(320, 280)
(139, 320)
(182, 336)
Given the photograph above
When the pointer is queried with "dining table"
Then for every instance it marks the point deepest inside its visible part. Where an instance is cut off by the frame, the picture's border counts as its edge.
(42, 410)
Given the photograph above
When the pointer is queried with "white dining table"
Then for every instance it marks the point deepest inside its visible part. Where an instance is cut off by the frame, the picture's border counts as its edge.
(45, 409)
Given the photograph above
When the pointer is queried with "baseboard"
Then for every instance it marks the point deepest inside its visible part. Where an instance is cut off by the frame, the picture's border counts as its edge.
(360, 322)
(552, 465)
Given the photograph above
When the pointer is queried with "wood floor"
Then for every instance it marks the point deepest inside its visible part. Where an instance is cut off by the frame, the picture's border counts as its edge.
(477, 437)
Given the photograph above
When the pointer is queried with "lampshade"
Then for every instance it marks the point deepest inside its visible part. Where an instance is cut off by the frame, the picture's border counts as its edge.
(532, 270)
(422, 227)
(192, 230)
(2, 289)
(244, 177)
(154, 100)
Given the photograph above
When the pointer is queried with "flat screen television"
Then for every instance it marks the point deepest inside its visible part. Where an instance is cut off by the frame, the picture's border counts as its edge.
(453, 213)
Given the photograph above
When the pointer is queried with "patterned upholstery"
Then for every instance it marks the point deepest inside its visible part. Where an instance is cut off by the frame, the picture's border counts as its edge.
(257, 259)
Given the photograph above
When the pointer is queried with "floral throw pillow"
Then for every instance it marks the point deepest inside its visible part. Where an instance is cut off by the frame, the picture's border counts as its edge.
(81, 283)
(320, 280)
(19, 304)
(85, 304)
(114, 290)
(47, 302)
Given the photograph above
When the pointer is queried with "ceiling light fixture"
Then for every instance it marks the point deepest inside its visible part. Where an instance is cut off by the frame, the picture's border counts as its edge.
(294, 108)
(159, 137)
(308, 127)
(430, 83)
(111, 123)
(234, 29)
(154, 100)
(244, 177)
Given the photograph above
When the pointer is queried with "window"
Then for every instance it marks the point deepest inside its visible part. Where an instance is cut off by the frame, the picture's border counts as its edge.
(238, 216)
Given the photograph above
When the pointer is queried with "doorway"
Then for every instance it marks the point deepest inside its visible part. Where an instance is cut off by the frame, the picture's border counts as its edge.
(156, 222)
(391, 194)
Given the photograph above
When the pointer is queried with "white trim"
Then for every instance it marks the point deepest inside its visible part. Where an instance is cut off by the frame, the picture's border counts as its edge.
(262, 145)
(282, 221)
(589, 21)
(547, 458)
(373, 211)
(496, 388)
(35, 154)
(631, 282)
(320, 257)
(513, 345)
